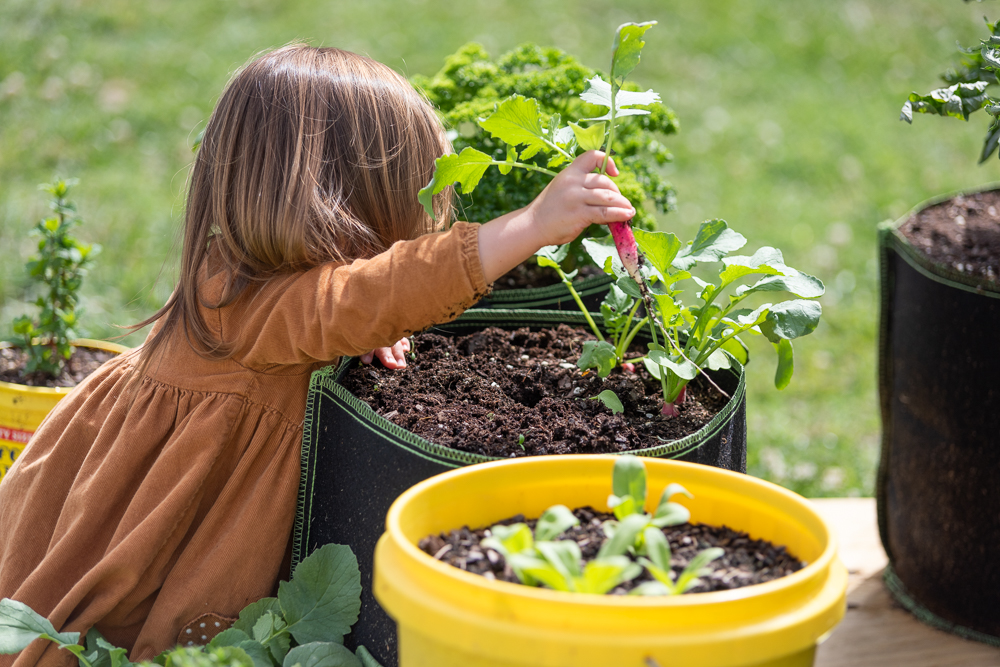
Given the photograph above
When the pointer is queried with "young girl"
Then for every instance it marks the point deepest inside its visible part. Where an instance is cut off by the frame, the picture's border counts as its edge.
(157, 500)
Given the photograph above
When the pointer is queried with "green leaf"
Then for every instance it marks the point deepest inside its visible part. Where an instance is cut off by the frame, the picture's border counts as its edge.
(516, 121)
(718, 360)
(791, 319)
(625, 535)
(252, 613)
(628, 478)
(676, 364)
(628, 285)
(957, 101)
(20, 625)
(321, 654)
(466, 169)
(555, 254)
(540, 570)
(660, 248)
(603, 574)
(230, 637)
(651, 588)
(786, 364)
(556, 520)
(738, 349)
(589, 139)
(510, 540)
(697, 568)
(511, 157)
(604, 254)
(598, 91)
(767, 261)
(657, 547)
(622, 506)
(992, 140)
(563, 555)
(323, 599)
(669, 513)
(255, 650)
(799, 284)
(611, 401)
(627, 48)
(598, 354)
(713, 241)
(366, 658)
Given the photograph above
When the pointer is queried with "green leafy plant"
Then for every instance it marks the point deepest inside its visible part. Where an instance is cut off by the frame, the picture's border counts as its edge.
(59, 266)
(471, 86)
(688, 338)
(303, 627)
(541, 559)
(966, 90)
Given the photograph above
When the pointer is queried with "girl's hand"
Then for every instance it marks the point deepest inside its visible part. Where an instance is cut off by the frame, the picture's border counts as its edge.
(577, 197)
(392, 358)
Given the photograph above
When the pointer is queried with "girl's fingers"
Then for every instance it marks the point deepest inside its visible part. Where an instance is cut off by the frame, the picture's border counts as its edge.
(406, 344)
(366, 358)
(593, 181)
(592, 161)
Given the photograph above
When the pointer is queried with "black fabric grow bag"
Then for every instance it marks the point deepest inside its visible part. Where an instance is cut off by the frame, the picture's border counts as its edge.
(938, 500)
(355, 463)
(592, 291)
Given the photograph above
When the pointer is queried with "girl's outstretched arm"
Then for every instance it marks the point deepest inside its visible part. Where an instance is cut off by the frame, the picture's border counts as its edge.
(576, 198)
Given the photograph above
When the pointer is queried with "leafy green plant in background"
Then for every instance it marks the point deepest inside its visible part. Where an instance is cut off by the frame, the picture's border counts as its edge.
(542, 559)
(303, 627)
(546, 84)
(966, 92)
(60, 266)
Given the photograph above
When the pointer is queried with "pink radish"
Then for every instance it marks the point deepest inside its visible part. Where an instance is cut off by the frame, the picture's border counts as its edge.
(621, 232)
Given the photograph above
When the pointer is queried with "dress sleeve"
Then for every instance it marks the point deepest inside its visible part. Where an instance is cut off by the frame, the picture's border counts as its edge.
(338, 310)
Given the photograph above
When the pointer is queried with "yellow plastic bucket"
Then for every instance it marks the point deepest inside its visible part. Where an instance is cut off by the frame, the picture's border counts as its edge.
(22, 408)
(450, 618)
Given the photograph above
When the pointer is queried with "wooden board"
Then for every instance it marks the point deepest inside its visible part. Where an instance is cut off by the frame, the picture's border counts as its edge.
(877, 632)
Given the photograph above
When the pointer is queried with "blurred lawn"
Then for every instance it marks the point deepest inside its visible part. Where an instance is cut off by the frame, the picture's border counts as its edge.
(789, 131)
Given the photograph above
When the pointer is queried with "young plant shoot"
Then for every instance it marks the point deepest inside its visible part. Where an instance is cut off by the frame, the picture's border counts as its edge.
(541, 559)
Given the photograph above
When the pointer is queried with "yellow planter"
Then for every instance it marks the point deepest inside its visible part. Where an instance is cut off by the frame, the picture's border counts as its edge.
(451, 618)
(22, 408)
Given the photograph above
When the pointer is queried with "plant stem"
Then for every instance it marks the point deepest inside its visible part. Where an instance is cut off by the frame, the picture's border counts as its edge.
(579, 302)
(523, 165)
(632, 334)
(619, 348)
(611, 129)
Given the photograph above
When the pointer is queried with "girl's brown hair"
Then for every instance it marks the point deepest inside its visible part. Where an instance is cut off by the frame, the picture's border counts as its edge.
(312, 155)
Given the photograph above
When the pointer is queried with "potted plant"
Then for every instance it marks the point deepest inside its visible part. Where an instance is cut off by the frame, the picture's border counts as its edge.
(615, 386)
(471, 86)
(46, 359)
(448, 616)
(939, 517)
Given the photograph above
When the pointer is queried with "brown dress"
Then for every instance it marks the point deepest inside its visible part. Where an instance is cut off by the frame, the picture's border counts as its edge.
(139, 517)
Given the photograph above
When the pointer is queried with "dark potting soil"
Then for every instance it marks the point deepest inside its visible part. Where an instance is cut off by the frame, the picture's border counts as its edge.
(745, 562)
(82, 363)
(962, 233)
(482, 392)
(529, 275)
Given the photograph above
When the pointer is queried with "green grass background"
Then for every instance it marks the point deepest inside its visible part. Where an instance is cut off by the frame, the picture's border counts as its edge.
(789, 131)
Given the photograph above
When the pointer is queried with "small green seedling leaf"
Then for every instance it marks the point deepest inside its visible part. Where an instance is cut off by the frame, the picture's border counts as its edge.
(670, 513)
(610, 401)
(628, 478)
(554, 522)
(323, 599)
(321, 654)
(366, 658)
(598, 354)
(603, 574)
(697, 568)
(657, 547)
(625, 534)
(510, 540)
